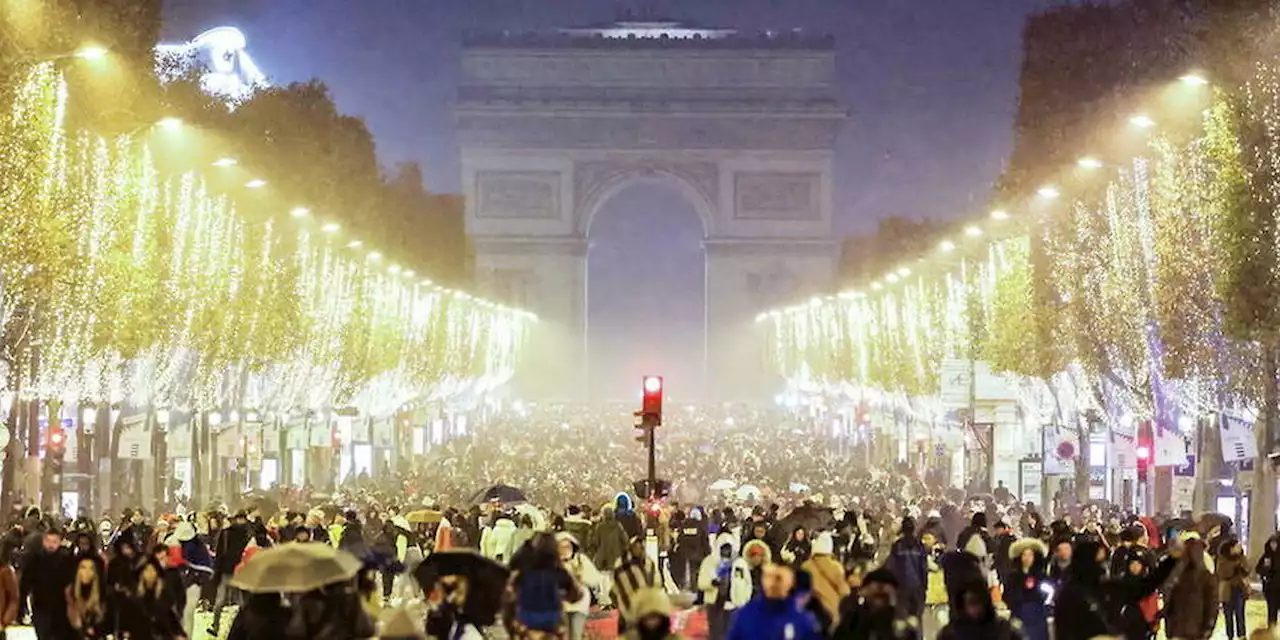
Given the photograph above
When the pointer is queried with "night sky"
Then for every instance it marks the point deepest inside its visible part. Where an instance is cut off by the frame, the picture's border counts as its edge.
(931, 86)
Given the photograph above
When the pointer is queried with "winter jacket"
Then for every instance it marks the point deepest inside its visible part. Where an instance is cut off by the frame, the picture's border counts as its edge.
(765, 619)
(692, 540)
(230, 548)
(88, 624)
(1024, 590)
(44, 576)
(652, 602)
(757, 548)
(1232, 573)
(580, 529)
(495, 542)
(714, 570)
(589, 579)
(609, 541)
(829, 585)
(907, 561)
(1268, 570)
(632, 575)
(151, 617)
(1191, 606)
(444, 536)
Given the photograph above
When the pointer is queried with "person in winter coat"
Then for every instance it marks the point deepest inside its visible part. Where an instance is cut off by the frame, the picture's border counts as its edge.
(692, 546)
(495, 542)
(908, 561)
(1268, 570)
(635, 571)
(798, 548)
(1001, 561)
(46, 571)
(829, 584)
(872, 612)
(1024, 587)
(773, 614)
(975, 617)
(523, 534)
(589, 580)
(538, 591)
(352, 538)
(1088, 606)
(86, 600)
(725, 582)
(149, 612)
(580, 528)
(1191, 604)
(9, 592)
(1233, 585)
(653, 613)
(609, 540)
(228, 553)
(758, 556)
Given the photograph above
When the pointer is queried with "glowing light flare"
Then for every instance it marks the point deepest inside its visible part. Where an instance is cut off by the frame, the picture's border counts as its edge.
(973, 231)
(1048, 192)
(1089, 162)
(947, 246)
(1194, 80)
(225, 161)
(299, 212)
(92, 52)
(330, 227)
(256, 183)
(999, 214)
(1142, 121)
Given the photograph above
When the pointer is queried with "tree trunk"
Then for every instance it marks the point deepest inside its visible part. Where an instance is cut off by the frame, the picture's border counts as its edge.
(1262, 503)
(1208, 457)
(1082, 465)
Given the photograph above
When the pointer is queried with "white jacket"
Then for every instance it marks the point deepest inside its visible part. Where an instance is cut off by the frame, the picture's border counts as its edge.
(495, 542)
(589, 580)
(739, 575)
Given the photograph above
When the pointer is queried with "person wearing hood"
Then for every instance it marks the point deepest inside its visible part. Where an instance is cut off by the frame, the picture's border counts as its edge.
(653, 613)
(609, 540)
(974, 617)
(758, 556)
(625, 513)
(496, 541)
(872, 612)
(1025, 587)
(725, 583)
(1191, 603)
(579, 527)
(829, 584)
(773, 614)
(635, 571)
(589, 580)
(1268, 570)
(523, 534)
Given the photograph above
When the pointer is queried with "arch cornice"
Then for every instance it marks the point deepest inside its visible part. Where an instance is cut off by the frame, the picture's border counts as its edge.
(596, 181)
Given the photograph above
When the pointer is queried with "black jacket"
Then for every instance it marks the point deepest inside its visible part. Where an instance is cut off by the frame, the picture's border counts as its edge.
(45, 576)
(692, 540)
(151, 617)
(230, 548)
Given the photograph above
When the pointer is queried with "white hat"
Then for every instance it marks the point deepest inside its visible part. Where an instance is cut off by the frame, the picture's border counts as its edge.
(184, 531)
(824, 544)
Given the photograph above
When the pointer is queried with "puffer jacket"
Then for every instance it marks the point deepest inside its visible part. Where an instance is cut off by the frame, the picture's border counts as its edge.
(711, 571)
(495, 542)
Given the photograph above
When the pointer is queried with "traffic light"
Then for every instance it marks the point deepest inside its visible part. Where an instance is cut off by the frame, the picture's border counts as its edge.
(1144, 449)
(651, 403)
(57, 444)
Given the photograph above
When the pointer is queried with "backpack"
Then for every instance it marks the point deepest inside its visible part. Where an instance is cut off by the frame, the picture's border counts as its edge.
(538, 604)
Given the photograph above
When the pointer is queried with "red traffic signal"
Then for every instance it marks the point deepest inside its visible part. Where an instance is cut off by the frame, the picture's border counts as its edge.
(57, 444)
(651, 404)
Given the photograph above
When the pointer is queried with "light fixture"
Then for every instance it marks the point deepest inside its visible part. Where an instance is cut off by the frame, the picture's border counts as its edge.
(393, 269)
(1088, 162)
(408, 273)
(972, 231)
(891, 278)
(355, 244)
(169, 124)
(1194, 80)
(876, 285)
(225, 161)
(300, 212)
(1142, 121)
(91, 52)
(215, 418)
(1047, 192)
(374, 256)
(999, 214)
(330, 227)
(947, 246)
(256, 183)
(904, 271)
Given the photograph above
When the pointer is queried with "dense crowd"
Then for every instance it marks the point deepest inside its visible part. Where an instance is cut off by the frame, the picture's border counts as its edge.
(821, 548)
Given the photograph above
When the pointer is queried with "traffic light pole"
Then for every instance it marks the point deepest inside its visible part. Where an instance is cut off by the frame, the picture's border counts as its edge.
(652, 432)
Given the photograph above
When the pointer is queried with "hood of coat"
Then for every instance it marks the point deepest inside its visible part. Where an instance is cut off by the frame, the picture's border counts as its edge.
(824, 544)
(573, 540)
(760, 548)
(726, 538)
(650, 601)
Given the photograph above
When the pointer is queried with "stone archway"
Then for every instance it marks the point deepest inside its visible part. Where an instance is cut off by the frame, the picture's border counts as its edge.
(552, 126)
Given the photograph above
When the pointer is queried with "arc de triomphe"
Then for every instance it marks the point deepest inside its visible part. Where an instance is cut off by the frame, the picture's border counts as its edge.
(552, 125)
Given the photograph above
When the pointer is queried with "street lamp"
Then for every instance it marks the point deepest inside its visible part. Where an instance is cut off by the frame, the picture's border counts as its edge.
(1088, 162)
(330, 227)
(1047, 192)
(1142, 121)
(91, 52)
(300, 212)
(170, 123)
(999, 214)
(256, 183)
(226, 161)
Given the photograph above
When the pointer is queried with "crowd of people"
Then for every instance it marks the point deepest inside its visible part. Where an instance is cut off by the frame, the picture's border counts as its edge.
(822, 547)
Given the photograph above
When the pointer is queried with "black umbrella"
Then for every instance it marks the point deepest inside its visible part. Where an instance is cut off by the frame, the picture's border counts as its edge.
(499, 493)
(486, 581)
(811, 517)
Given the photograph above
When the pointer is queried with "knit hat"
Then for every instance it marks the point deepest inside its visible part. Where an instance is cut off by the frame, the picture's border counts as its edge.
(824, 544)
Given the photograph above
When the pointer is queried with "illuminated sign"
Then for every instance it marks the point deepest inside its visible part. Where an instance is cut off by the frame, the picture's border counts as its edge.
(219, 57)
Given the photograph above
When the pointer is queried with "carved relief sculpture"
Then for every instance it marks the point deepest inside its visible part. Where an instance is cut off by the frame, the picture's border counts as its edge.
(776, 196)
(518, 194)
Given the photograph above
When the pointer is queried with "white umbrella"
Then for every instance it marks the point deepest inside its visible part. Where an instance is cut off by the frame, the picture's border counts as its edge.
(748, 492)
(723, 485)
(797, 487)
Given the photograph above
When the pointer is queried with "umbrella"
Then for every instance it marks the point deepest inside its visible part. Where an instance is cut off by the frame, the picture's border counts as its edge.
(486, 581)
(748, 492)
(811, 517)
(424, 516)
(499, 493)
(723, 485)
(296, 567)
(797, 487)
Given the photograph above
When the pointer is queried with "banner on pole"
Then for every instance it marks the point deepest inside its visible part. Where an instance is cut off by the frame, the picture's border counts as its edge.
(1238, 442)
(135, 438)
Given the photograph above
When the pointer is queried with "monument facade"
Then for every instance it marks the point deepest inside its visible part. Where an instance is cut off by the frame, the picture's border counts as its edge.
(552, 125)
